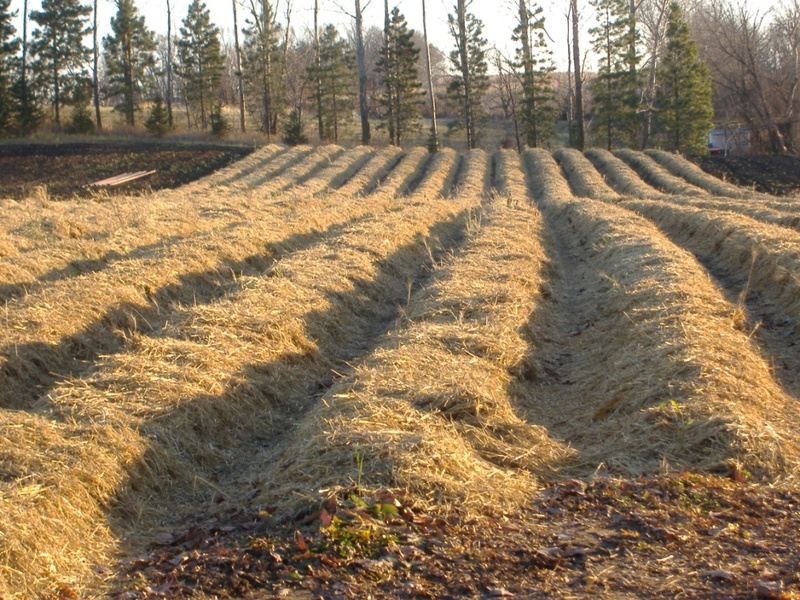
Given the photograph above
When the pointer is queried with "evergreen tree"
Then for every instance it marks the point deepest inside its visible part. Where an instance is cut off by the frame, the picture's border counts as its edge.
(262, 58)
(334, 72)
(402, 94)
(8, 65)
(60, 57)
(157, 121)
(616, 98)
(129, 52)
(293, 132)
(684, 108)
(201, 60)
(471, 80)
(81, 121)
(536, 63)
(219, 124)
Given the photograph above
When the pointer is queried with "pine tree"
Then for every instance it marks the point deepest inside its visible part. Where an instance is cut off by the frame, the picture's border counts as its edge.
(8, 65)
(536, 63)
(262, 56)
(201, 60)
(60, 57)
(684, 107)
(80, 121)
(293, 131)
(128, 53)
(402, 91)
(335, 75)
(616, 98)
(469, 60)
(157, 121)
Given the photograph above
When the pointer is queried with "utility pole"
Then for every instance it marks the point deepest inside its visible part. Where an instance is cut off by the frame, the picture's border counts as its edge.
(434, 143)
(238, 67)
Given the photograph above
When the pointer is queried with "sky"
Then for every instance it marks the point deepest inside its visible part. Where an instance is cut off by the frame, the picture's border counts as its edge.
(498, 17)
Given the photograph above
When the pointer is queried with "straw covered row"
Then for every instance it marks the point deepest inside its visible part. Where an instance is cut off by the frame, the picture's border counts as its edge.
(583, 178)
(687, 170)
(655, 174)
(619, 175)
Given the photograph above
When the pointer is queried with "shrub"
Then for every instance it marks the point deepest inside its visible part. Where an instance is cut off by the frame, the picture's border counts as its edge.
(157, 122)
(293, 132)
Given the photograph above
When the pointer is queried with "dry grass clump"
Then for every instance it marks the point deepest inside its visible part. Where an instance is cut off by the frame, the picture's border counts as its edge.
(764, 257)
(656, 175)
(583, 178)
(431, 410)
(650, 369)
(545, 178)
(685, 169)
(619, 175)
(218, 366)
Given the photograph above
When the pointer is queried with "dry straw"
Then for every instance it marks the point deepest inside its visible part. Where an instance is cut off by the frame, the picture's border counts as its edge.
(764, 257)
(431, 409)
(367, 178)
(647, 368)
(687, 170)
(583, 178)
(619, 175)
(546, 179)
(656, 175)
(212, 350)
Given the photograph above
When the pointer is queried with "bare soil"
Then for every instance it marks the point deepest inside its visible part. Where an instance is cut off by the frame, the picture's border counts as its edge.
(66, 169)
(776, 174)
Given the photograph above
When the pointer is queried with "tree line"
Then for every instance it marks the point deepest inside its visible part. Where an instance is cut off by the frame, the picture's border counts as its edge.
(664, 70)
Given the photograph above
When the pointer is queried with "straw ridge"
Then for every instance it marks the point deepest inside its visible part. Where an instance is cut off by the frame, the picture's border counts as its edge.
(583, 178)
(656, 175)
(620, 176)
(685, 169)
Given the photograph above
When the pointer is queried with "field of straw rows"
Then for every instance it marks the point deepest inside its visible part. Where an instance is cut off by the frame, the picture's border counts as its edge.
(464, 327)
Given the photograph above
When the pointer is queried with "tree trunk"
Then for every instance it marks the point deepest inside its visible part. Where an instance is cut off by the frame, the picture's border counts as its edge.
(363, 106)
(95, 74)
(461, 17)
(239, 78)
(169, 65)
(527, 68)
(580, 134)
(318, 76)
(434, 143)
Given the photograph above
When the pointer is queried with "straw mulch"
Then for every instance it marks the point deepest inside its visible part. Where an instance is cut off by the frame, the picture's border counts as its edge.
(656, 175)
(254, 162)
(753, 208)
(546, 181)
(430, 409)
(762, 258)
(648, 368)
(213, 363)
(687, 170)
(367, 178)
(583, 178)
(620, 176)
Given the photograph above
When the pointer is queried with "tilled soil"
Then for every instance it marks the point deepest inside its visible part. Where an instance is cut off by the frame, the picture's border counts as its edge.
(777, 174)
(67, 169)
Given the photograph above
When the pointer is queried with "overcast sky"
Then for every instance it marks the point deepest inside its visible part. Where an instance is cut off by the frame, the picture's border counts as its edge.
(497, 15)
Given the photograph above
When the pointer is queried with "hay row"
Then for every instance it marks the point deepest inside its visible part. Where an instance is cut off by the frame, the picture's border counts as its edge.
(439, 175)
(656, 175)
(325, 171)
(544, 175)
(188, 401)
(430, 409)
(320, 158)
(754, 209)
(237, 170)
(509, 180)
(474, 175)
(74, 319)
(648, 368)
(275, 168)
(583, 178)
(373, 172)
(398, 177)
(362, 155)
(620, 176)
(762, 257)
(687, 170)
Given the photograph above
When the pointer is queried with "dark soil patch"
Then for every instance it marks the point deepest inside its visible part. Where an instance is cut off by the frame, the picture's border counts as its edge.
(777, 174)
(683, 535)
(66, 169)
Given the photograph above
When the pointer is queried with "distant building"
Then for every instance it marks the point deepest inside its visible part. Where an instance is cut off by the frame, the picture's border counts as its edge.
(730, 138)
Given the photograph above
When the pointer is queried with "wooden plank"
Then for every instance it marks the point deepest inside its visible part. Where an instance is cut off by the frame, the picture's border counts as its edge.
(122, 178)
